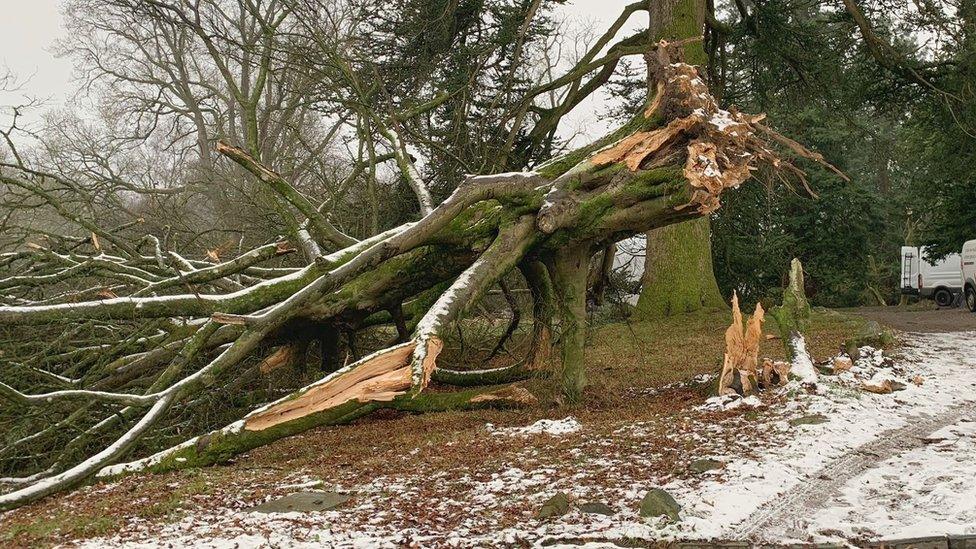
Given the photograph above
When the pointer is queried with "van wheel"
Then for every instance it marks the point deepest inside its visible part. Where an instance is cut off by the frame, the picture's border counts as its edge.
(943, 297)
(971, 299)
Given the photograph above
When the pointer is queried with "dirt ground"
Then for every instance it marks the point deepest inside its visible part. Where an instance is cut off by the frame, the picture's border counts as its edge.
(933, 320)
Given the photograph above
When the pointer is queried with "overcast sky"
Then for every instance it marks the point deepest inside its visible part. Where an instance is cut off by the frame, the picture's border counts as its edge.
(28, 29)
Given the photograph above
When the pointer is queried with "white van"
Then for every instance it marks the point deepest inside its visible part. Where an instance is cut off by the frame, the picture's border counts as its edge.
(969, 273)
(940, 281)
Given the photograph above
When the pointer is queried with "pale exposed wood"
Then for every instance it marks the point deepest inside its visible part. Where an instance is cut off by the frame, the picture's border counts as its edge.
(882, 387)
(842, 364)
(283, 356)
(633, 150)
(741, 350)
(434, 348)
(656, 102)
(733, 349)
(378, 378)
(777, 368)
(513, 394)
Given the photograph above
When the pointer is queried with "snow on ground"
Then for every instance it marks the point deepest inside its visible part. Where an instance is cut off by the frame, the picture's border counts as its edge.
(553, 427)
(946, 364)
(924, 491)
(801, 467)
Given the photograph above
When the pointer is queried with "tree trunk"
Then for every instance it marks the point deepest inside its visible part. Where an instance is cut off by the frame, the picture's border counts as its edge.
(569, 272)
(678, 273)
(792, 319)
(543, 311)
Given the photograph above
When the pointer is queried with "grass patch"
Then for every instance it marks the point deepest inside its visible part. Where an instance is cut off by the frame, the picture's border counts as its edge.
(94, 512)
(44, 531)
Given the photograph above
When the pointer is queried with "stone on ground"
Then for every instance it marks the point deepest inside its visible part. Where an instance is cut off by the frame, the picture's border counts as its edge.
(597, 508)
(814, 419)
(702, 465)
(556, 506)
(658, 503)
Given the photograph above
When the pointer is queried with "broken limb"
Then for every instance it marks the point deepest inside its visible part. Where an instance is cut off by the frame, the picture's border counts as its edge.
(221, 445)
(792, 318)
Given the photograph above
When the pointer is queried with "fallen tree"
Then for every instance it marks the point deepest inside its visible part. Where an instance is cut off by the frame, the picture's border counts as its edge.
(669, 164)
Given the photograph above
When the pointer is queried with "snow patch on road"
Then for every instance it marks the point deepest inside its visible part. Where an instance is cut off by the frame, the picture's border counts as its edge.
(923, 492)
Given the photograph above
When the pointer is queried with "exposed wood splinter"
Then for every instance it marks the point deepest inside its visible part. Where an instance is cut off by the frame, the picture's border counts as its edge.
(511, 394)
(380, 377)
(742, 350)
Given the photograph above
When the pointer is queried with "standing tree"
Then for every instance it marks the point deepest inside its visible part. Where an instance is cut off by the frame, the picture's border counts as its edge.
(678, 274)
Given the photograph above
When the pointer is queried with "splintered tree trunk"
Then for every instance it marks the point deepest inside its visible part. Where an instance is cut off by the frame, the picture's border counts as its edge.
(792, 319)
(678, 274)
(671, 163)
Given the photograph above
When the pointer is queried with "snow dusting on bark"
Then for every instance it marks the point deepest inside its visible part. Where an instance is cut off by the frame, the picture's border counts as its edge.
(802, 365)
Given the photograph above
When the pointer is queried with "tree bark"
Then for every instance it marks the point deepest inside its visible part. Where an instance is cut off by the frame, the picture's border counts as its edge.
(569, 273)
(678, 273)
(543, 311)
(601, 275)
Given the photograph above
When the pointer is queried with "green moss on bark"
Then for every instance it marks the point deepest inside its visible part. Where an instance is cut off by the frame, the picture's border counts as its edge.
(678, 276)
(793, 316)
